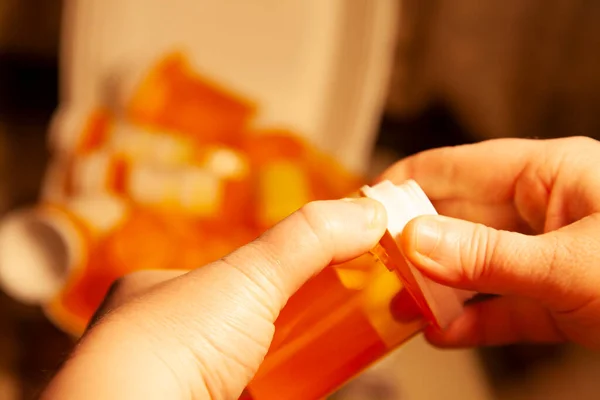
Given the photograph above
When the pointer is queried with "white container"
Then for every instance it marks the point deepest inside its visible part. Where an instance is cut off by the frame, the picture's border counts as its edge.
(319, 67)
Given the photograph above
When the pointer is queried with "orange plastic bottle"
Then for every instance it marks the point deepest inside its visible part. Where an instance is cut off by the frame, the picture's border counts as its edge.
(351, 315)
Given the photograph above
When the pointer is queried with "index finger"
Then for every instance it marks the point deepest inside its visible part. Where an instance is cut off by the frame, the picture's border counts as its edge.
(485, 171)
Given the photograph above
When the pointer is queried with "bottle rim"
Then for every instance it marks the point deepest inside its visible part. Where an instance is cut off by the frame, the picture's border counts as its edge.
(404, 202)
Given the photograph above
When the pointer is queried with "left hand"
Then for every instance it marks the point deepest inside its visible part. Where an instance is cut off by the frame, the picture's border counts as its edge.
(203, 334)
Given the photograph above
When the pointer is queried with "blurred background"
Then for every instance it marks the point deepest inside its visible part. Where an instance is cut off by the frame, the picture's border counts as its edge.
(464, 71)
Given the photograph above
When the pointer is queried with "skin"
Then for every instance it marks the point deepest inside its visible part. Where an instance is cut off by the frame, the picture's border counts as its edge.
(533, 237)
(521, 220)
(203, 334)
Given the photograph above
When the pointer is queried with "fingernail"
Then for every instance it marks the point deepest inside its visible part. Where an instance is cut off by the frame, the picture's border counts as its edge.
(373, 210)
(436, 241)
(428, 236)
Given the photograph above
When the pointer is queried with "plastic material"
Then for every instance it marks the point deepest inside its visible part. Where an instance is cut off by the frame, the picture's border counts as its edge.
(440, 304)
(353, 314)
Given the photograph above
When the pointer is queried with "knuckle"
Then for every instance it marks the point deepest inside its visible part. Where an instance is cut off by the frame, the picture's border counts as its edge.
(450, 170)
(554, 254)
(311, 212)
(479, 254)
(582, 141)
(316, 223)
(259, 264)
(576, 146)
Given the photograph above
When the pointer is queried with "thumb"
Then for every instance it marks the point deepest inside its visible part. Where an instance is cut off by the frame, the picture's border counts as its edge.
(224, 312)
(475, 257)
(211, 327)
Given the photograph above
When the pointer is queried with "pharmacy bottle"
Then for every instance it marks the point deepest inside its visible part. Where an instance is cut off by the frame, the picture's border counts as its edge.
(350, 316)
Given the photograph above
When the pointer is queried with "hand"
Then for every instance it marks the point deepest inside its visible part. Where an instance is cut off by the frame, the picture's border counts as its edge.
(509, 189)
(203, 334)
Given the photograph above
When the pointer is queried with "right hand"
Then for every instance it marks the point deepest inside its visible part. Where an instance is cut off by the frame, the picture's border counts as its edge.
(522, 220)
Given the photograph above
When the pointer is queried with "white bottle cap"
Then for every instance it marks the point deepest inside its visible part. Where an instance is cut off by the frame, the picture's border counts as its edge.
(39, 249)
(43, 247)
(441, 304)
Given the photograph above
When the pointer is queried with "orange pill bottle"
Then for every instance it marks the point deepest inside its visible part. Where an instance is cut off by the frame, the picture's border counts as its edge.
(353, 314)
